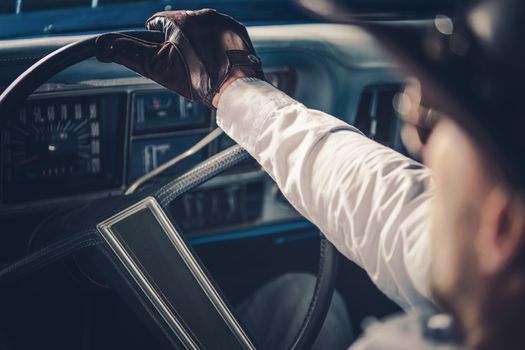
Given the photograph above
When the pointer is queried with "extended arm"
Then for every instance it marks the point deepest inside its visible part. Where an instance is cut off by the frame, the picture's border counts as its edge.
(369, 200)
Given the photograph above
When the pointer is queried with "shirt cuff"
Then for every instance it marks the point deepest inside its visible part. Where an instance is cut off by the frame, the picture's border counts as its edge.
(244, 107)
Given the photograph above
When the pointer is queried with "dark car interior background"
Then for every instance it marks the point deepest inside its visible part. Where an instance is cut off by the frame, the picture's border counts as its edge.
(93, 129)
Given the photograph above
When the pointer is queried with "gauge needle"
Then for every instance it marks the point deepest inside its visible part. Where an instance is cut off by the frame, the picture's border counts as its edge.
(26, 161)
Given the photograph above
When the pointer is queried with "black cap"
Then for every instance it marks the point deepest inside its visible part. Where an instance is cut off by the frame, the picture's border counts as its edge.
(469, 58)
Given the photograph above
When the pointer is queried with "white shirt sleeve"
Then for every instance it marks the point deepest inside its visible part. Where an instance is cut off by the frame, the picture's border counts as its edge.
(371, 202)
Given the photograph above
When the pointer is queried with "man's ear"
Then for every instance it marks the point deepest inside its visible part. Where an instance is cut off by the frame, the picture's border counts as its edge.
(501, 236)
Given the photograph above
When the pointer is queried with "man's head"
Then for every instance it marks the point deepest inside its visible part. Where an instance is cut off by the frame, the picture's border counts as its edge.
(478, 234)
(468, 60)
(478, 223)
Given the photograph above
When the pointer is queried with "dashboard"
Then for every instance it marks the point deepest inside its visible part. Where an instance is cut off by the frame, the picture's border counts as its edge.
(93, 129)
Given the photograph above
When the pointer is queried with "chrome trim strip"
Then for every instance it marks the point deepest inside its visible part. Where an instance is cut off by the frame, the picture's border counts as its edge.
(175, 160)
(201, 277)
(174, 236)
(139, 277)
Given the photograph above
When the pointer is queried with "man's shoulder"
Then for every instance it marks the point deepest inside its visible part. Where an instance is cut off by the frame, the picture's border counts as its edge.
(419, 329)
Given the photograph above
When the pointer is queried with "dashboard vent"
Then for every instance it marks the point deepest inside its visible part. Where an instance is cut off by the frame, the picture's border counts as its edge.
(376, 116)
(283, 78)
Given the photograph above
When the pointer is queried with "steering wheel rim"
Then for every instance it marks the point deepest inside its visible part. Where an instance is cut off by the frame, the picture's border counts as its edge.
(15, 94)
(56, 62)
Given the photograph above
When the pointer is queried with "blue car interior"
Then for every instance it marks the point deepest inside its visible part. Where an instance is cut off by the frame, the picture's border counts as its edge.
(110, 126)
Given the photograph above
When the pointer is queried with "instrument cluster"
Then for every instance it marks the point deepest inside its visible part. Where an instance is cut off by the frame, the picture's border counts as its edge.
(62, 146)
(68, 144)
(65, 145)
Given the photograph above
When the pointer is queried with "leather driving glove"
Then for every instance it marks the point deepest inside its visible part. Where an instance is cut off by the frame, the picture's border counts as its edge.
(201, 51)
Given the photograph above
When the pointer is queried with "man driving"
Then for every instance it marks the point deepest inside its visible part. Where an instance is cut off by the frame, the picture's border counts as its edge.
(446, 241)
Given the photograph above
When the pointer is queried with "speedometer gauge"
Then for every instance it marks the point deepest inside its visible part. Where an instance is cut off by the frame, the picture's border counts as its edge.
(56, 147)
(54, 141)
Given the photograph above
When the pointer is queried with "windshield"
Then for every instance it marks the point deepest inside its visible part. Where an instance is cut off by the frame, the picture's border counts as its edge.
(19, 18)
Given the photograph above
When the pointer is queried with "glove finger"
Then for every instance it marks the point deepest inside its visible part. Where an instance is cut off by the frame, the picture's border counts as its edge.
(167, 21)
(133, 53)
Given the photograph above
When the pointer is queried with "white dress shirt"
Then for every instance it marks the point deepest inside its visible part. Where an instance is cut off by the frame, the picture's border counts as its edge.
(371, 202)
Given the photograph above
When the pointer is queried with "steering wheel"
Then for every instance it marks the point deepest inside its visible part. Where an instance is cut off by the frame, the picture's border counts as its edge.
(136, 244)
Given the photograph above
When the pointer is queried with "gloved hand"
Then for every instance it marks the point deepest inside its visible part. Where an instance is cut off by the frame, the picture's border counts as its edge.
(203, 49)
